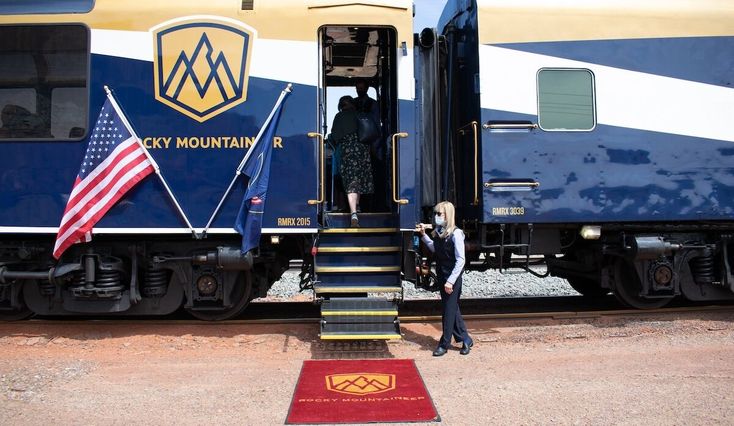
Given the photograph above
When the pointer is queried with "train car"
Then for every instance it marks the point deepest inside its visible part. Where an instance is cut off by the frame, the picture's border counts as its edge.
(591, 136)
(196, 80)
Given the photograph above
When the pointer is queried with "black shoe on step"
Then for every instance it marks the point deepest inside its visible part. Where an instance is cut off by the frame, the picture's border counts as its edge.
(440, 351)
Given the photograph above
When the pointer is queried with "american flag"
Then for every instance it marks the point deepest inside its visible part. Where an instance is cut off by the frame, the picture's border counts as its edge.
(114, 162)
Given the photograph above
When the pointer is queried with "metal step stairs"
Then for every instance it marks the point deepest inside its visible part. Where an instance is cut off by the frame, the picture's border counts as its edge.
(356, 272)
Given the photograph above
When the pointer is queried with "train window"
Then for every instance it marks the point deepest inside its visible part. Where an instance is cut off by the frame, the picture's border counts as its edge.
(17, 7)
(43, 81)
(566, 100)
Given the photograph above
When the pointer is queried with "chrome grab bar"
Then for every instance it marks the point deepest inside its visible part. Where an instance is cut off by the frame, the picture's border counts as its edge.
(394, 168)
(474, 125)
(512, 126)
(321, 167)
(511, 184)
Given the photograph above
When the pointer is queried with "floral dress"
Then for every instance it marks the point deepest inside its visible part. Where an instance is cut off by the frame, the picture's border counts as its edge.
(354, 165)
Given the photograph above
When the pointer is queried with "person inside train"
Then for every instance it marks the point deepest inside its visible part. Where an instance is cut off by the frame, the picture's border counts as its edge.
(447, 245)
(18, 122)
(366, 105)
(353, 157)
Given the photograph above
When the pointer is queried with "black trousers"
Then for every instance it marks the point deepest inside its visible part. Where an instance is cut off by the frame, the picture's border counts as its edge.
(453, 323)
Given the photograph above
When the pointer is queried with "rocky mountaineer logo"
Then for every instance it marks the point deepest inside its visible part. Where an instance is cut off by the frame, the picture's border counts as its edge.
(201, 64)
(360, 383)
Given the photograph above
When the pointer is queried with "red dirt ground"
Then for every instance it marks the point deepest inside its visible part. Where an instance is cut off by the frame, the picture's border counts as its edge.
(669, 369)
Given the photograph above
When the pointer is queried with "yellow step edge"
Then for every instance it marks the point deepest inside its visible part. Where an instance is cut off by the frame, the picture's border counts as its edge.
(357, 230)
(327, 269)
(341, 289)
(358, 249)
(360, 336)
(366, 313)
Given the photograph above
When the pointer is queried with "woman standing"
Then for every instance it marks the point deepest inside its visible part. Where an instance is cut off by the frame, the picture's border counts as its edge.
(448, 246)
(354, 164)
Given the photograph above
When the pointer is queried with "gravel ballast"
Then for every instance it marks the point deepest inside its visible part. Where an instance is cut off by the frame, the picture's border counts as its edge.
(487, 284)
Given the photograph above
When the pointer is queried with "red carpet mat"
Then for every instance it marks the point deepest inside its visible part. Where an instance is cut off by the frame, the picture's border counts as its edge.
(360, 391)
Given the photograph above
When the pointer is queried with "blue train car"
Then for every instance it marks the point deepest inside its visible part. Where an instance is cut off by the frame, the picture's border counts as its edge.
(196, 81)
(592, 135)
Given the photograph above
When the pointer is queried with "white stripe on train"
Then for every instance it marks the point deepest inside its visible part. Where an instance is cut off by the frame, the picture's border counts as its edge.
(283, 60)
(624, 98)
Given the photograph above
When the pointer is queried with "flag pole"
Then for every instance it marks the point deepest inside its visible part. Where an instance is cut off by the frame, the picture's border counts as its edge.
(157, 169)
(238, 172)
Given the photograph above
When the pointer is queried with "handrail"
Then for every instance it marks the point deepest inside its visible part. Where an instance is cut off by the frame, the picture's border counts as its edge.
(511, 184)
(394, 167)
(321, 168)
(475, 128)
(509, 126)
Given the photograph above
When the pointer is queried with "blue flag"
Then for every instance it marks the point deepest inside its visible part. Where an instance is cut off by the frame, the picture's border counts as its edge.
(257, 168)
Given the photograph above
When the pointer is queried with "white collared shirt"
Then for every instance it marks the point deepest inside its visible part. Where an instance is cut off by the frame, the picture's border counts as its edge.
(458, 252)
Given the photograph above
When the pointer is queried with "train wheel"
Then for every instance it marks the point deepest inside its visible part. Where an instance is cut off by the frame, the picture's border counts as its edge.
(627, 287)
(587, 287)
(240, 297)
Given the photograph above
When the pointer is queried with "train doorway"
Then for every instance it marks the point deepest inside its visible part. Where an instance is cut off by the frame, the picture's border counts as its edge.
(359, 62)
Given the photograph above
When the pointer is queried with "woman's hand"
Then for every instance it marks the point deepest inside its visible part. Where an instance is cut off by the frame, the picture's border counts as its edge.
(448, 288)
(421, 229)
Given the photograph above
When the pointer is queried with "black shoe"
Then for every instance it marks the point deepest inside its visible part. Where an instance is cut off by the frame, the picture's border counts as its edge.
(465, 349)
(440, 351)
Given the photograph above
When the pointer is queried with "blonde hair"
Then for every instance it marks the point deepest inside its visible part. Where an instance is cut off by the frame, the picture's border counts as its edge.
(449, 217)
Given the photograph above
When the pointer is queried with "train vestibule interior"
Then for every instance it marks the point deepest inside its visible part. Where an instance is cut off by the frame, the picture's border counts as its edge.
(352, 57)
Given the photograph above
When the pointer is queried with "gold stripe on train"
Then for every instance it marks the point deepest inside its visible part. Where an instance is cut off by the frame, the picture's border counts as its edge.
(523, 21)
(278, 20)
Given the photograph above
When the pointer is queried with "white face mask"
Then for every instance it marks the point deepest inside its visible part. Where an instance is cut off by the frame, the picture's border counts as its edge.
(439, 220)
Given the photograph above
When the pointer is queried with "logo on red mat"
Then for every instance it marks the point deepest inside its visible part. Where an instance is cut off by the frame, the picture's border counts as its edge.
(360, 383)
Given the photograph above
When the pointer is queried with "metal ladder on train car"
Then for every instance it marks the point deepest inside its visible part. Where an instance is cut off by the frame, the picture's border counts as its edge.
(355, 269)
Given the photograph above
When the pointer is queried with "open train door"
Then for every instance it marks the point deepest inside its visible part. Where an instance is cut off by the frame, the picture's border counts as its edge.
(404, 149)
(363, 47)
(371, 56)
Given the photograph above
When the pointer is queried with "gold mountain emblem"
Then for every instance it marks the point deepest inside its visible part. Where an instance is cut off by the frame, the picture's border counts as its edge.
(360, 383)
(201, 65)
